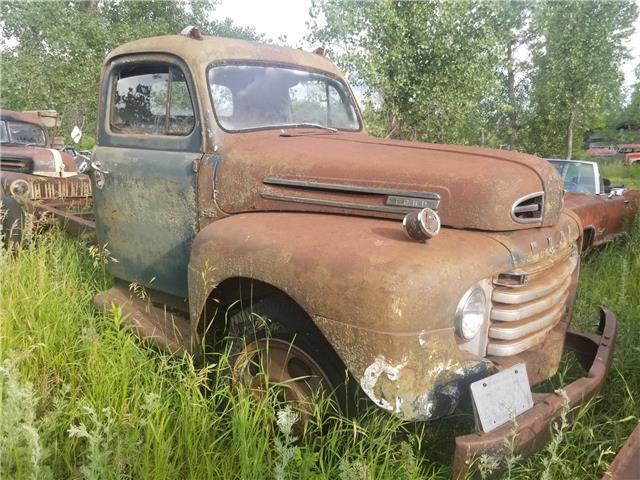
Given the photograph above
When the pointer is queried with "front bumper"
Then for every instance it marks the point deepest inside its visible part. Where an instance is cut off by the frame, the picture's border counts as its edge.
(532, 429)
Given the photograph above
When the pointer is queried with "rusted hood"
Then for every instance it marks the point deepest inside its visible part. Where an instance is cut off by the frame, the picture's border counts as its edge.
(312, 170)
(47, 162)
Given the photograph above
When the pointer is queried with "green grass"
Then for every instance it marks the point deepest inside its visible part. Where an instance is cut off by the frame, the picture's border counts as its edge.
(621, 175)
(82, 398)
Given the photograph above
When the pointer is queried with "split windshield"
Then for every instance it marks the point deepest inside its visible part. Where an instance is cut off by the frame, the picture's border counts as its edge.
(21, 133)
(256, 96)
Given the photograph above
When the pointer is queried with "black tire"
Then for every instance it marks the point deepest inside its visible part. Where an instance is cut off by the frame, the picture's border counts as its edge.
(12, 222)
(277, 317)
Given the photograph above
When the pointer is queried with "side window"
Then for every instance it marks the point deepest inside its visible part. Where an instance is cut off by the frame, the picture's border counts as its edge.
(151, 99)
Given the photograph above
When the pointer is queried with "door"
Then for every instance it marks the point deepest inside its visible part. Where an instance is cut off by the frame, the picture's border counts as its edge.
(148, 140)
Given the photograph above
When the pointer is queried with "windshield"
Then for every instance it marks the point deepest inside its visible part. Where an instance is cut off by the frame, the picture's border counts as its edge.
(23, 133)
(577, 177)
(250, 97)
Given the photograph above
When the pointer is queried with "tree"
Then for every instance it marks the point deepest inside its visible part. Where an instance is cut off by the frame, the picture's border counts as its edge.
(576, 62)
(52, 52)
(431, 64)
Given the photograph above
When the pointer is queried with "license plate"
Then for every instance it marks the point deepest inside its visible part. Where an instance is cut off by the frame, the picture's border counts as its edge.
(501, 397)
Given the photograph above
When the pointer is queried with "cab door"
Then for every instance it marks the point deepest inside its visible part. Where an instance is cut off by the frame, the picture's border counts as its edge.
(149, 138)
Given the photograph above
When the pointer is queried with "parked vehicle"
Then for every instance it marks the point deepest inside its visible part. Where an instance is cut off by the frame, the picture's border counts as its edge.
(629, 148)
(605, 211)
(601, 151)
(34, 176)
(632, 159)
(229, 170)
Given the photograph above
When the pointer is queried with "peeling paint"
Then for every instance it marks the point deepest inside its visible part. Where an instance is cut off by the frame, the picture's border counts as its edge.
(372, 374)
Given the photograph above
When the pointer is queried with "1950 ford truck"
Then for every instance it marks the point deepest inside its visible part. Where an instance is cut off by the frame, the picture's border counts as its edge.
(229, 170)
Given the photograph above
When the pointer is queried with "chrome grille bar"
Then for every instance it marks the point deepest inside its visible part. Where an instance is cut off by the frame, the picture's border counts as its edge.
(522, 316)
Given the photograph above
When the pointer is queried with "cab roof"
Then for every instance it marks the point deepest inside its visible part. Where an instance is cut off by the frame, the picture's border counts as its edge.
(20, 117)
(201, 53)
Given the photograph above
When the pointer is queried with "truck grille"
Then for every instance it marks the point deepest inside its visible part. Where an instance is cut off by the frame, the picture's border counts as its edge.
(60, 189)
(16, 163)
(521, 316)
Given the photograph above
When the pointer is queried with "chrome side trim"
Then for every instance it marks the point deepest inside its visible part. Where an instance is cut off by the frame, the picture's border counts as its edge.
(350, 188)
(515, 206)
(336, 204)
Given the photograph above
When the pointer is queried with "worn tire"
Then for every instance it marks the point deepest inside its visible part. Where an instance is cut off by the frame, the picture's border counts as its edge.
(277, 317)
(12, 222)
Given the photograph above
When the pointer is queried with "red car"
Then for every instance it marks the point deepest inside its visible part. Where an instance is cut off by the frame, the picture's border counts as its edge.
(605, 211)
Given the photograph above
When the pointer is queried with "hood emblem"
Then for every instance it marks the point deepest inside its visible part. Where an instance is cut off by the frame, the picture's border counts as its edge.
(413, 202)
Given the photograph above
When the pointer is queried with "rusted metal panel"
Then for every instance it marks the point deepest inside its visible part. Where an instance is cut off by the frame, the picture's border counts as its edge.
(606, 217)
(213, 49)
(266, 171)
(393, 329)
(164, 328)
(626, 465)
(146, 214)
(532, 429)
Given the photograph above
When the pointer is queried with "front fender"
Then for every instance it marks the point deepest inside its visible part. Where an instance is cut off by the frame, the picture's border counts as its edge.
(384, 302)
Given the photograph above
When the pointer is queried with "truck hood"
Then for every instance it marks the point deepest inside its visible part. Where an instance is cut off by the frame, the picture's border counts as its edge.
(47, 162)
(313, 170)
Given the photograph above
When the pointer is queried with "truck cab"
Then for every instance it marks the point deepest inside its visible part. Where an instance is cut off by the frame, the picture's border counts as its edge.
(229, 173)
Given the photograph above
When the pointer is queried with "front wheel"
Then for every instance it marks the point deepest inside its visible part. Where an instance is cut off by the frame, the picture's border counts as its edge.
(274, 345)
(13, 218)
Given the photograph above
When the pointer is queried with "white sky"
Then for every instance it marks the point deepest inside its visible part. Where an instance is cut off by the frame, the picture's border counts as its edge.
(275, 18)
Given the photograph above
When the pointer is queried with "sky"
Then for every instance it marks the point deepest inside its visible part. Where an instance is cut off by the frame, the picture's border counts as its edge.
(275, 18)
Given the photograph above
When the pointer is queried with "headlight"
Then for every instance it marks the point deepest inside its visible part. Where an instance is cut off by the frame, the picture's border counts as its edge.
(471, 312)
(19, 188)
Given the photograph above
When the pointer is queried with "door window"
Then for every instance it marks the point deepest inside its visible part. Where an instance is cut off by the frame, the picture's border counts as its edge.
(152, 99)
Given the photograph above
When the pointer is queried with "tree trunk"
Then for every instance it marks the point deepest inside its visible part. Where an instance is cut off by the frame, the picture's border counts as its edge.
(572, 120)
(511, 93)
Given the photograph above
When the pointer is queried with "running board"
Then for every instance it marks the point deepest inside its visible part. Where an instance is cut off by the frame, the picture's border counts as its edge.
(160, 327)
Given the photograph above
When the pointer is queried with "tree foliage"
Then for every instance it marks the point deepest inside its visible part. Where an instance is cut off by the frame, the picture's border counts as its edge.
(523, 74)
(429, 62)
(576, 57)
(52, 51)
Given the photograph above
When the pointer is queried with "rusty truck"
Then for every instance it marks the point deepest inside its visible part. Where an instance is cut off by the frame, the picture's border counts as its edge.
(235, 175)
(35, 177)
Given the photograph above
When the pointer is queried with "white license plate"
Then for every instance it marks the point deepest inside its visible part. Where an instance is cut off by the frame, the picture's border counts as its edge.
(501, 397)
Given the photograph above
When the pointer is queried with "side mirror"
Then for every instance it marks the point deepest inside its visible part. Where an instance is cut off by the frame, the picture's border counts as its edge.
(607, 185)
(76, 134)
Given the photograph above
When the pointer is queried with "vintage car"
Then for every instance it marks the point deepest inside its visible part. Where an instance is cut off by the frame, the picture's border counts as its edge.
(236, 183)
(34, 176)
(605, 211)
(632, 159)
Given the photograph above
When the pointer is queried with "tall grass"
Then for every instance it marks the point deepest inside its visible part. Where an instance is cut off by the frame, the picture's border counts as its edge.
(80, 397)
(621, 175)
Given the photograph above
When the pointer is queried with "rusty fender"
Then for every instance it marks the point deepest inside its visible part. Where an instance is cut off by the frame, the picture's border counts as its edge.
(385, 303)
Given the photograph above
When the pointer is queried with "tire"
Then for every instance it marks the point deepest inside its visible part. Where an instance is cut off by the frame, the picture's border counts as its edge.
(12, 222)
(276, 324)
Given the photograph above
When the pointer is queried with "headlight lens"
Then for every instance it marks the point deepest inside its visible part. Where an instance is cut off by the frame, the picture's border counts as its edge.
(471, 312)
(19, 188)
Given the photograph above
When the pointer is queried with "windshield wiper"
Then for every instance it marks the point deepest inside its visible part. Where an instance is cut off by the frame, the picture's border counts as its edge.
(307, 124)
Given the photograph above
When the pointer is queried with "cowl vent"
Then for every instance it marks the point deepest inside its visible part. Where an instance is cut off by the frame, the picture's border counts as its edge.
(528, 209)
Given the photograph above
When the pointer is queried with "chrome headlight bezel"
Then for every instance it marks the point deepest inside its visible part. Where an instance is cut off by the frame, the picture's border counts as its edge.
(474, 341)
(471, 312)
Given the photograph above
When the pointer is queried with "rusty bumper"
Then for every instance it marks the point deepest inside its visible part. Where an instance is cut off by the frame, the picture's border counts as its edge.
(595, 354)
